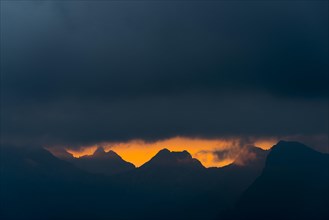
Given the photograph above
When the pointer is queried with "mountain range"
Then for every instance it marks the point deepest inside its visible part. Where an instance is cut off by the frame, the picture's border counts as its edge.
(290, 181)
(101, 162)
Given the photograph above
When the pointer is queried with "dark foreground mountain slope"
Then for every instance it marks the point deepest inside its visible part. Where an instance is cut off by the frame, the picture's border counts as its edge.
(293, 185)
(102, 162)
(36, 185)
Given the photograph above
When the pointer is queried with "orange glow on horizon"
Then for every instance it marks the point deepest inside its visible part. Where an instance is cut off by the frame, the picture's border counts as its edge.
(138, 151)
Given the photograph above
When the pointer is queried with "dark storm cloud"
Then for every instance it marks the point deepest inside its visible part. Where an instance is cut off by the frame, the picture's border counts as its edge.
(85, 72)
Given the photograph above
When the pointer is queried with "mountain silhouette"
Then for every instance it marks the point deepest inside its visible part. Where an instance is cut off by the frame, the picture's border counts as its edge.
(169, 169)
(177, 178)
(293, 185)
(34, 162)
(102, 162)
(166, 169)
(167, 159)
(290, 181)
(37, 184)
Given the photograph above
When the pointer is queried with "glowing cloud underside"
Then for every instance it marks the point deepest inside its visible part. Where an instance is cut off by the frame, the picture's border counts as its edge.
(138, 151)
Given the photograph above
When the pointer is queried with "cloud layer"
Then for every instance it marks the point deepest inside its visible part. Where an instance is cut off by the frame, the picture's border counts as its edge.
(79, 73)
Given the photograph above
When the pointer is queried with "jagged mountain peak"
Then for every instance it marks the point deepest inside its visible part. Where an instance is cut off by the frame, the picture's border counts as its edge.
(292, 155)
(99, 152)
(166, 158)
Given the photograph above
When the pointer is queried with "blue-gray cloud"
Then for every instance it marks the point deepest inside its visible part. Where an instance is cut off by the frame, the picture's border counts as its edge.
(85, 72)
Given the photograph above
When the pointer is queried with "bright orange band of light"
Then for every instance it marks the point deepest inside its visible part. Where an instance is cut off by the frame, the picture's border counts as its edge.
(138, 152)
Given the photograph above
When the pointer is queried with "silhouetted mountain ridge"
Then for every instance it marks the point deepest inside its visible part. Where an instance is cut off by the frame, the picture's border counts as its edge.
(33, 161)
(100, 153)
(294, 155)
(293, 185)
(102, 162)
(172, 159)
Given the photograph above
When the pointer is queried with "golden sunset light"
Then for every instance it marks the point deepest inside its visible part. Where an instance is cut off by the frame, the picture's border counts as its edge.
(138, 151)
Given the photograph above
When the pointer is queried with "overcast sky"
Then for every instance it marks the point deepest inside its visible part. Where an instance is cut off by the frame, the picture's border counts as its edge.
(82, 72)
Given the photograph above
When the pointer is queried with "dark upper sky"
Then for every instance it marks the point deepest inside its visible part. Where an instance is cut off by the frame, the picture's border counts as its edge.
(83, 72)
